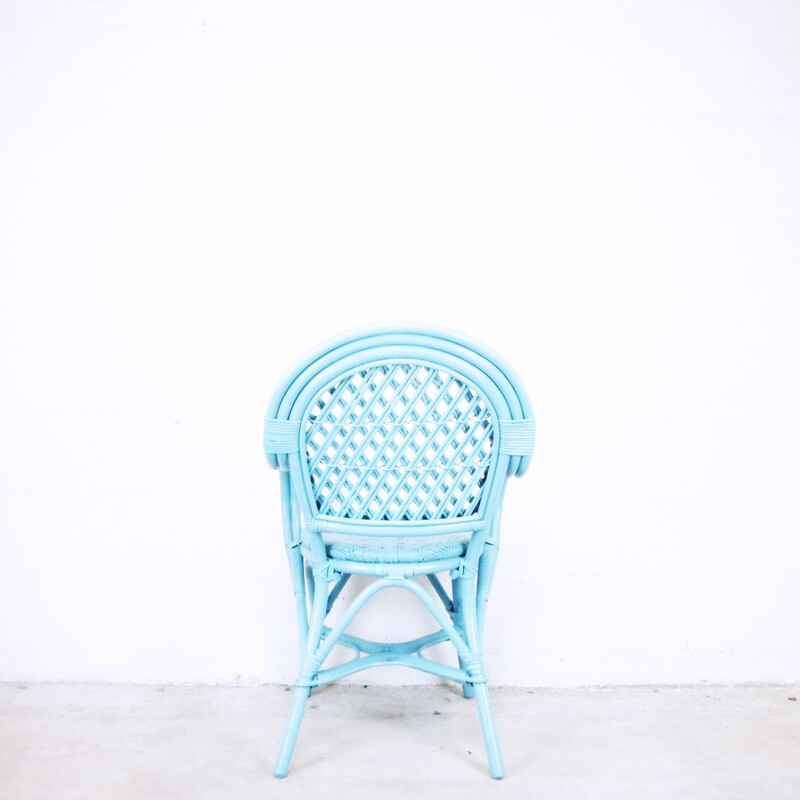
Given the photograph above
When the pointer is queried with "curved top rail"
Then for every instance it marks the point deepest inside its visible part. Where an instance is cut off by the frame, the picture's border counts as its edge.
(405, 333)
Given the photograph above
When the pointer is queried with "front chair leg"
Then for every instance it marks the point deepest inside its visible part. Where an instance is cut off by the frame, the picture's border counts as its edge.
(301, 694)
(467, 688)
(458, 604)
(496, 767)
(474, 665)
(307, 671)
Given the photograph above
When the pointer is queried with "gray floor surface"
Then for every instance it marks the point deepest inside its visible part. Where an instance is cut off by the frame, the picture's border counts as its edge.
(88, 741)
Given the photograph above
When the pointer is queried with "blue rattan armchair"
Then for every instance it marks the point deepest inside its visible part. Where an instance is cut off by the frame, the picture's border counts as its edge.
(394, 445)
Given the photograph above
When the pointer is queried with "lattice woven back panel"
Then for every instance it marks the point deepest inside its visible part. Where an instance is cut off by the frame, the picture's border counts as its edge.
(399, 442)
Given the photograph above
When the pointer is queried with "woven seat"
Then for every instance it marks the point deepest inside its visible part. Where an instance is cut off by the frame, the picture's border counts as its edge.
(395, 551)
(394, 445)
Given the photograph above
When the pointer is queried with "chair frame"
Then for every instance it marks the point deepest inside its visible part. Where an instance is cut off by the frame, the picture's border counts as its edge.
(318, 578)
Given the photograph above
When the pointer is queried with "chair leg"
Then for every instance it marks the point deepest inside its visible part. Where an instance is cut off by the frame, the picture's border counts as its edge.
(496, 766)
(309, 668)
(468, 689)
(475, 659)
(458, 605)
(301, 694)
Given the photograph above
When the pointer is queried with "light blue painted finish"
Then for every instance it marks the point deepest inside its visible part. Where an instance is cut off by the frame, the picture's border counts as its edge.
(394, 445)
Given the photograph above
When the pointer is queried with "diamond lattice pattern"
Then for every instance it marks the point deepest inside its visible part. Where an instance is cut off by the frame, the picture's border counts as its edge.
(399, 442)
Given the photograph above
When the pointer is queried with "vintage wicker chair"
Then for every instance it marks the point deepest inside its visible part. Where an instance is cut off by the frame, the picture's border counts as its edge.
(394, 445)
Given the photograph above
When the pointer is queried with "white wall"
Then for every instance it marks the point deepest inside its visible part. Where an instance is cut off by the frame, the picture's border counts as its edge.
(193, 194)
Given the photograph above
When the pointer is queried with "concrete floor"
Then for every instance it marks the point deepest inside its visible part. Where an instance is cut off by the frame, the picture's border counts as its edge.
(85, 742)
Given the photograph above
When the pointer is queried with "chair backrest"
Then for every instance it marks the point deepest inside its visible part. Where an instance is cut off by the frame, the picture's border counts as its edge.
(405, 427)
